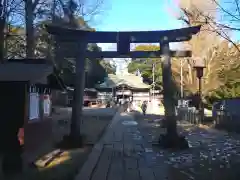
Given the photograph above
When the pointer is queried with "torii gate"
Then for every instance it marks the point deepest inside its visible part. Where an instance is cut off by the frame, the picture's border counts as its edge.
(123, 40)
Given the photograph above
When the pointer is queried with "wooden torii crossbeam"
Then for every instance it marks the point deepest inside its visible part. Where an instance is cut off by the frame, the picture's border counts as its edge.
(175, 35)
(123, 40)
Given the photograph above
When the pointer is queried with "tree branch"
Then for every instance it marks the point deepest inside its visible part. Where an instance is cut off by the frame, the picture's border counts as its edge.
(225, 11)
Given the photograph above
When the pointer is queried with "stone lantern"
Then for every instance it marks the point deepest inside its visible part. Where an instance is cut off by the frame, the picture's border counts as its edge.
(199, 65)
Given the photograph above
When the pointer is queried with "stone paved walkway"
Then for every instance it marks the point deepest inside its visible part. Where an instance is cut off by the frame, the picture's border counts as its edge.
(122, 154)
(126, 152)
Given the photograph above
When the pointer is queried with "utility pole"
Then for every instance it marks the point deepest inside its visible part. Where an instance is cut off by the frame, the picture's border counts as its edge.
(153, 77)
(181, 79)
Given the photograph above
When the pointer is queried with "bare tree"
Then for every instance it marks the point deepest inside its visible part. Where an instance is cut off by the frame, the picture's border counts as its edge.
(29, 19)
(223, 17)
(40, 10)
(35, 11)
(3, 16)
(9, 13)
(15, 42)
(207, 45)
(217, 58)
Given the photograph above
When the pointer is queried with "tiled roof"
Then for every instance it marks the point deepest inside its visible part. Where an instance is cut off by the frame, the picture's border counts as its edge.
(127, 79)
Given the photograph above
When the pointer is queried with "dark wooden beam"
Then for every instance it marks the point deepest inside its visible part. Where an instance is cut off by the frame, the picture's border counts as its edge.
(29, 61)
(32, 72)
(175, 35)
(132, 54)
(123, 43)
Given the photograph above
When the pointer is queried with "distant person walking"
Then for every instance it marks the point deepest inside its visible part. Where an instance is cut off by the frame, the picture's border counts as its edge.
(144, 107)
(108, 105)
(129, 109)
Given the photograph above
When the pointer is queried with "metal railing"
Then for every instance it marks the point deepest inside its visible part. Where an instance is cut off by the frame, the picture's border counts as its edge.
(221, 120)
(188, 114)
(227, 121)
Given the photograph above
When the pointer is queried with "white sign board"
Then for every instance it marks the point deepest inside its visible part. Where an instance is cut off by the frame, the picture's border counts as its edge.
(46, 105)
(34, 106)
(123, 93)
(183, 103)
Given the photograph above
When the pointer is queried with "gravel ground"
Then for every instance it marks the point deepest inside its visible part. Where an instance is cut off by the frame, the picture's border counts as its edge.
(213, 154)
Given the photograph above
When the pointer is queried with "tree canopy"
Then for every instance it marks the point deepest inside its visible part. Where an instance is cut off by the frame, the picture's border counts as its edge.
(221, 76)
(22, 31)
(145, 66)
(33, 41)
(214, 44)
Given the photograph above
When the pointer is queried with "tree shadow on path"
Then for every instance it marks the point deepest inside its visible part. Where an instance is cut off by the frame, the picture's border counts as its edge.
(212, 155)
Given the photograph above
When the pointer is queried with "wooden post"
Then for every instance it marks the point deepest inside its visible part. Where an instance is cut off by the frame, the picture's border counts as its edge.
(168, 92)
(78, 90)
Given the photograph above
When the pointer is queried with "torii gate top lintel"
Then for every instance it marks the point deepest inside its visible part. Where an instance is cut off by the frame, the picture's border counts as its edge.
(174, 35)
(124, 39)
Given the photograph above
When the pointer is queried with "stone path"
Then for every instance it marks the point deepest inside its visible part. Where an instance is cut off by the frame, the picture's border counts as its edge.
(122, 154)
(213, 154)
(126, 152)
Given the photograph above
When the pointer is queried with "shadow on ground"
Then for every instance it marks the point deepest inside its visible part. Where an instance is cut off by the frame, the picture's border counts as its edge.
(213, 154)
(66, 165)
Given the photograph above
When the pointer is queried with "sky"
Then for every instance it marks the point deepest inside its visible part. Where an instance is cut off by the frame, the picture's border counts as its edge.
(136, 15)
(133, 15)
(127, 15)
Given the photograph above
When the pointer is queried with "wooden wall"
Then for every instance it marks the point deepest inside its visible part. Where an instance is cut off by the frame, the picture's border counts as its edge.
(37, 132)
(38, 137)
(12, 95)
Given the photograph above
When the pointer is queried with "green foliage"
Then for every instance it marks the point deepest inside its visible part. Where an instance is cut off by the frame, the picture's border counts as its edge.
(230, 88)
(230, 76)
(95, 71)
(110, 68)
(231, 83)
(146, 65)
(227, 91)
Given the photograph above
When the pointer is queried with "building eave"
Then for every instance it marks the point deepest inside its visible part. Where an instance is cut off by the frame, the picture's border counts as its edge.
(33, 71)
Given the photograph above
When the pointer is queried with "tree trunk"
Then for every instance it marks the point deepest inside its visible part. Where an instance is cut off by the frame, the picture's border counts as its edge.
(168, 92)
(29, 18)
(2, 39)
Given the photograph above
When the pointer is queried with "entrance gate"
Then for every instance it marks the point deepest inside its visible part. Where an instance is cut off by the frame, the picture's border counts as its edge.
(123, 41)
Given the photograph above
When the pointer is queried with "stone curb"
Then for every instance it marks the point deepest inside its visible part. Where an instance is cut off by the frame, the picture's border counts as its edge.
(88, 167)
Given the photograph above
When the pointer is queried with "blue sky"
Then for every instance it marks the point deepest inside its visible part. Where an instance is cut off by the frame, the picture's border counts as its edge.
(133, 15)
(136, 15)
(127, 15)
